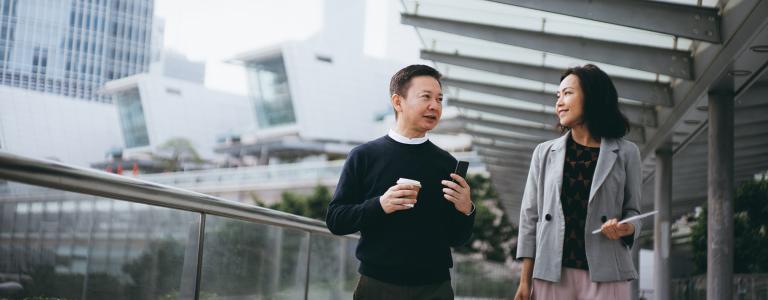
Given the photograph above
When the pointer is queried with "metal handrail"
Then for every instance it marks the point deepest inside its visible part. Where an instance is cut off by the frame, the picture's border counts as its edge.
(61, 176)
(245, 175)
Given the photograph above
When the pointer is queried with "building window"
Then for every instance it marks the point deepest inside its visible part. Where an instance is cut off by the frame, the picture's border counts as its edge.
(173, 91)
(324, 58)
(270, 93)
(132, 119)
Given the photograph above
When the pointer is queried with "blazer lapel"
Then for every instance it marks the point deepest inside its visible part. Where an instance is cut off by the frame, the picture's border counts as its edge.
(609, 150)
(557, 161)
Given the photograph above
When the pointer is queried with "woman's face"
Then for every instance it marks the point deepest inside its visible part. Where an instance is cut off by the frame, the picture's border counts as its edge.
(570, 102)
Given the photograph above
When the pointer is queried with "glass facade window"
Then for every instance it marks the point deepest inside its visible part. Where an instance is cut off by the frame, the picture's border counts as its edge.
(132, 120)
(270, 92)
(74, 42)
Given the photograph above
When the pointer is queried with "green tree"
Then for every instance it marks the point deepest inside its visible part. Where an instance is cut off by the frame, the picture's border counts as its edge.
(292, 203)
(750, 230)
(175, 152)
(317, 203)
(314, 205)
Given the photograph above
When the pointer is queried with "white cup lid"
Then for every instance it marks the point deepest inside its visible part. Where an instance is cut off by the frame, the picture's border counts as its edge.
(408, 181)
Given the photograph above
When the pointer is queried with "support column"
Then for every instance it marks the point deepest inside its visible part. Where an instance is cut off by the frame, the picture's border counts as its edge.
(720, 197)
(661, 225)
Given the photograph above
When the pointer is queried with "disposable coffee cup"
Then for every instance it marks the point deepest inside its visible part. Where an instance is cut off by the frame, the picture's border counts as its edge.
(411, 182)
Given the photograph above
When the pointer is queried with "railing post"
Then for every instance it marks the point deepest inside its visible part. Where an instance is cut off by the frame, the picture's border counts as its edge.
(275, 236)
(199, 267)
(190, 271)
(309, 260)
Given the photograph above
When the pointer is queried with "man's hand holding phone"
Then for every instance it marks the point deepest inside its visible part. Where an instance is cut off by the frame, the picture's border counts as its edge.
(457, 191)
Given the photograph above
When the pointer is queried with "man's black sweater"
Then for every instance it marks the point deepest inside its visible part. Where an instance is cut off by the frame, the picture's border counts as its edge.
(407, 247)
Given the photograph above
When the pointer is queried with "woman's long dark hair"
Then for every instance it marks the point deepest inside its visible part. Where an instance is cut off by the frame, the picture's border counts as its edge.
(601, 103)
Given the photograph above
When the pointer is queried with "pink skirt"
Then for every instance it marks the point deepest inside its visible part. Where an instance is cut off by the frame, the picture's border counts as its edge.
(575, 284)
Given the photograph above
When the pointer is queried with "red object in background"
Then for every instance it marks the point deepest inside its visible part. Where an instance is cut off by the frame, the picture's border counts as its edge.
(120, 169)
(135, 169)
(109, 169)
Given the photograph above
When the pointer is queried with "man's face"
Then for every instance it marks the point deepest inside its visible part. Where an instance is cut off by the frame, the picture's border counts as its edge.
(422, 106)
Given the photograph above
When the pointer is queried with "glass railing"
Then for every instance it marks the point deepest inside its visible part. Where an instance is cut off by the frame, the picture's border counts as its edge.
(76, 233)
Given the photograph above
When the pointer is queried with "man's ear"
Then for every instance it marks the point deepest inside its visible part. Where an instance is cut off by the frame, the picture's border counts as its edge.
(397, 102)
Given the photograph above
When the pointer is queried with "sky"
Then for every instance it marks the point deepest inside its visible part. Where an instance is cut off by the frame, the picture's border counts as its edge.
(214, 31)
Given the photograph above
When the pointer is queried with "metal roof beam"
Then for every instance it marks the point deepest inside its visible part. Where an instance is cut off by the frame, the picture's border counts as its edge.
(712, 64)
(500, 151)
(635, 114)
(753, 129)
(513, 144)
(694, 179)
(505, 155)
(545, 132)
(537, 97)
(670, 62)
(693, 22)
(484, 134)
(522, 114)
(518, 166)
(528, 142)
(757, 140)
(508, 184)
(740, 161)
(524, 161)
(510, 173)
(655, 93)
(502, 186)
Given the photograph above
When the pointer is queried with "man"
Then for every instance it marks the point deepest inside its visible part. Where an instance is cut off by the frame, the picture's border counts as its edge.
(405, 231)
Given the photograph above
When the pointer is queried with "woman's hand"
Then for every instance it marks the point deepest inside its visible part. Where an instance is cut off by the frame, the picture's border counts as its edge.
(613, 230)
(523, 291)
(526, 280)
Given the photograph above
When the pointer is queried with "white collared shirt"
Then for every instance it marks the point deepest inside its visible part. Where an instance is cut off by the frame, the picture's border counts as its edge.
(406, 140)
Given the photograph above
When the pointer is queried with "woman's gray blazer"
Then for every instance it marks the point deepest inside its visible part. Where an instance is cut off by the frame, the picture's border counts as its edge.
(615, 193)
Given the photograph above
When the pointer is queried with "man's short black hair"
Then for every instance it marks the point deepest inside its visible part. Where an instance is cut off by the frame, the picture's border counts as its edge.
(401, 81)
(601, 103)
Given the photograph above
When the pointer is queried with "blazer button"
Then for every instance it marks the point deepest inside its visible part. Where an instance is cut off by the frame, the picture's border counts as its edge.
(604, 219)
(548, 217)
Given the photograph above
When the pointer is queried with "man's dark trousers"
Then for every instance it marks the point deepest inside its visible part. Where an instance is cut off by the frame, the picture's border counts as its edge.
(372, 289)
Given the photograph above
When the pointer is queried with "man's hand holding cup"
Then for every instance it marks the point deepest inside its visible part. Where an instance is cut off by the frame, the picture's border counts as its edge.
(401, 196)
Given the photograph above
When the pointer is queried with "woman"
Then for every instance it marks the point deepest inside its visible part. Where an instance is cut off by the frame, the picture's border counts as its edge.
(587, 179)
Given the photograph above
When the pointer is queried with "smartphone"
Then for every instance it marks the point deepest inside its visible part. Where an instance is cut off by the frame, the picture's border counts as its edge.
(461, 169)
